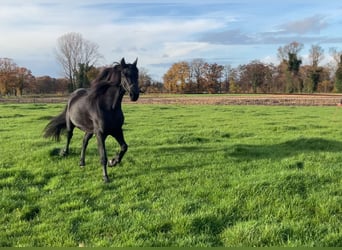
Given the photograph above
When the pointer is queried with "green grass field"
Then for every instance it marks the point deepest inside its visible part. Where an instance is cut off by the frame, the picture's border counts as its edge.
(193, 176)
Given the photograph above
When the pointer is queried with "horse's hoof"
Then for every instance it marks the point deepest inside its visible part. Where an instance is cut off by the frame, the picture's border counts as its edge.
(113, 163)
(82, 164)
(63, 153)
(105, 179)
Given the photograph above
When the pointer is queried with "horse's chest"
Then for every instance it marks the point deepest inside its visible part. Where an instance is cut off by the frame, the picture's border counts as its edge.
(112, 120)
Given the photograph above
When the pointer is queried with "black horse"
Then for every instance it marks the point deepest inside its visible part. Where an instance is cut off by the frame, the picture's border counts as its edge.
(97, 110)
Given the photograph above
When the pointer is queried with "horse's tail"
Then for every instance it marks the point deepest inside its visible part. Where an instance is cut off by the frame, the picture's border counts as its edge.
(55, 126)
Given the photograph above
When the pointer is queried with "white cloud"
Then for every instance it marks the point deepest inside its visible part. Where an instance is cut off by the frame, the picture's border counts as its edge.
(307, 25)
(32, 31)
(153, 32)
(270, 59)
(183, 49)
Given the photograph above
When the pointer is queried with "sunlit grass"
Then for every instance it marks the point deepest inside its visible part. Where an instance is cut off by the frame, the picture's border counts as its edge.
(193, 176)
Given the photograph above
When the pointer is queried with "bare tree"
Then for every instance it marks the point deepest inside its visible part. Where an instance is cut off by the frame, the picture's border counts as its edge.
(316, 55)
(292, 48)
(227, 71)
(336, 55)
(333, 64)
(197, 70)
(73, 52)
(145, 80)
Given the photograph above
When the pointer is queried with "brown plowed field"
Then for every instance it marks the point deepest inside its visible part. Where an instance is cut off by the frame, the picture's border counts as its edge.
(280, 100)
(276, 100)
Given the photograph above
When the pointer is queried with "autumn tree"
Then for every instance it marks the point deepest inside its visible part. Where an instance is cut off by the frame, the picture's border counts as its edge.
(177, 77)
(280, 78)
(49, 85)
(212, 75)
(13, 79)
(7, 75)
(76, 55)
(257, 76)
(24, 79)
(44, 84)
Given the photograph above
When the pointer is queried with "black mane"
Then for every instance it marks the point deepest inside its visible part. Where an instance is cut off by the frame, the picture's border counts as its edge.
(107, 74)
(99, 89)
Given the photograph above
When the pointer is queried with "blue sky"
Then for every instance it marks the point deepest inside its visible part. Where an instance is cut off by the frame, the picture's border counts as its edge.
(161, 33)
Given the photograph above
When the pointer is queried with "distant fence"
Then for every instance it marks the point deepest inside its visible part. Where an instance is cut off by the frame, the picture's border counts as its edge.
(34, 100)
(273, 100)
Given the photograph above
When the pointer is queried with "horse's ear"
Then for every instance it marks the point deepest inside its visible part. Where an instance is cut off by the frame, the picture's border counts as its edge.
(135, 62)
(123, 63)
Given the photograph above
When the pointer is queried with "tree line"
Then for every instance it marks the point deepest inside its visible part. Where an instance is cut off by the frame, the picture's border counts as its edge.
(290, 76)
(16, 80)
(79, 57)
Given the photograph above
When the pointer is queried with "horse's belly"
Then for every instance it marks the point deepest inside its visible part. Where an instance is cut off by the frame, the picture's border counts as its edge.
(82, 120)
(86, 126)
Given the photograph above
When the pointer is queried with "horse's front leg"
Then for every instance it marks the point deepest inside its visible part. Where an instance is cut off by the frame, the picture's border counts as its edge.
(119, 137)
(86, 139)
(103, 155)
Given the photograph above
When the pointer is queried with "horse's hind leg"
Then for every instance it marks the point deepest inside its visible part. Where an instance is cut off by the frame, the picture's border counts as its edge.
(70, 132)
(86, 139)
(121, 140)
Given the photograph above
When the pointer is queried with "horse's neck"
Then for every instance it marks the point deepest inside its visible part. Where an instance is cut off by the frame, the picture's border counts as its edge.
(114, 96)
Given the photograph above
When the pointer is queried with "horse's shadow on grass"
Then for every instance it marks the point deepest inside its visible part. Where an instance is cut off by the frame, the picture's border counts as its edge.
(59, 153)
(239, 152)
(248, 152)
(262, 151)
(55, 152)
(284, 149)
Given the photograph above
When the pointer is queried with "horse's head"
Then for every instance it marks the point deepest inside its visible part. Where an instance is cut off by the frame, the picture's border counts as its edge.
(129, 78)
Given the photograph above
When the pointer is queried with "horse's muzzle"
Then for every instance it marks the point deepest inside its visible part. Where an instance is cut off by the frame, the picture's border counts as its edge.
(134, 95)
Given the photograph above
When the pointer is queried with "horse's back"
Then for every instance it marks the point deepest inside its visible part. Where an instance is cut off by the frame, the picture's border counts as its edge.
(76, 95)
